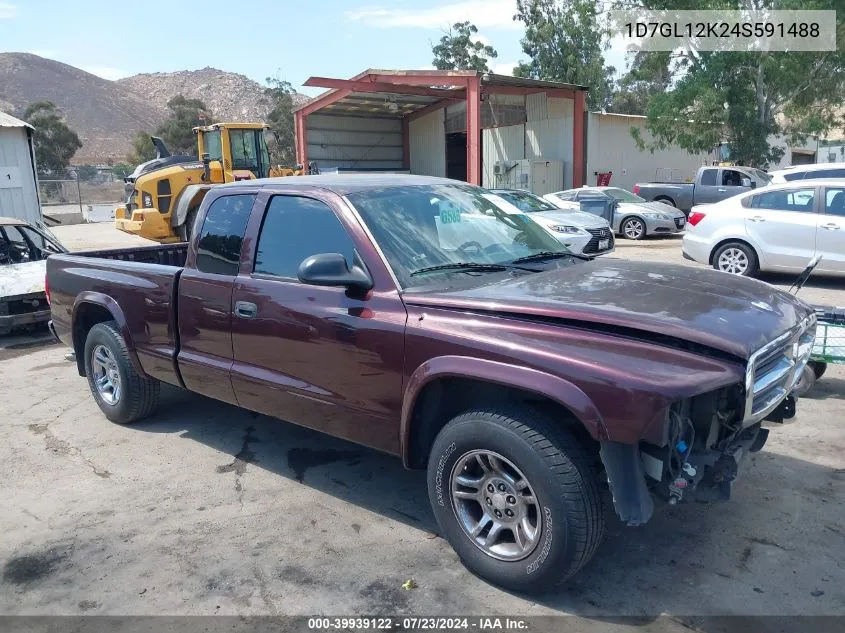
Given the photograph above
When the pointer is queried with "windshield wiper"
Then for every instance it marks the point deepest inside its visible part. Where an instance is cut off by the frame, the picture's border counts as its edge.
(461, 266)
(548, 255)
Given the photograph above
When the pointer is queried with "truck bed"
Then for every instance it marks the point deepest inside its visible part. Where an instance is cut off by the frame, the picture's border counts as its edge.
(137, 286)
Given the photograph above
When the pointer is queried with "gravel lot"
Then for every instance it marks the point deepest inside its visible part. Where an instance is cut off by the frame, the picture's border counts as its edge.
(208, 509)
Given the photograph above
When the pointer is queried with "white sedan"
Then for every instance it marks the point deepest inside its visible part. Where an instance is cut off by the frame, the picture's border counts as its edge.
(779, 228)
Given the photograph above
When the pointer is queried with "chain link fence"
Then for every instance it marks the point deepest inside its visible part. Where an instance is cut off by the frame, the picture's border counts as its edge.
(83, 194)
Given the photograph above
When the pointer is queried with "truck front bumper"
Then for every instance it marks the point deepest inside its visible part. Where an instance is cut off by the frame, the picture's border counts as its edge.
(23, 310)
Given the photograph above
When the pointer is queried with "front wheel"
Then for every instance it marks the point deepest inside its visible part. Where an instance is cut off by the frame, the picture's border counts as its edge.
(516, 497)
(633, 228)
(122, 394)
(736, 258)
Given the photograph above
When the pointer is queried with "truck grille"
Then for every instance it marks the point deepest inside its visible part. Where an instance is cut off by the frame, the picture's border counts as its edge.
(774, 369)
(598, 234)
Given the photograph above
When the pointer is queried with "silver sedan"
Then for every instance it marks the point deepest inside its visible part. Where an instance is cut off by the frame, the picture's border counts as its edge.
(634, 217)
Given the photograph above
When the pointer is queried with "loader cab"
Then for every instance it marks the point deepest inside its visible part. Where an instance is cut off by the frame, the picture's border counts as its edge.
(237, 151)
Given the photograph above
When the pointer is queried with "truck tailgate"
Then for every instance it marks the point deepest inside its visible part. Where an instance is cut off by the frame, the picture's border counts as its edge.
(138, 294)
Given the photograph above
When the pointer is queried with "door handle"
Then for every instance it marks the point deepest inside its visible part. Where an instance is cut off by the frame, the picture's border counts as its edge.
(721, 189)
(757, 218)
(831, 227)
(245, 309)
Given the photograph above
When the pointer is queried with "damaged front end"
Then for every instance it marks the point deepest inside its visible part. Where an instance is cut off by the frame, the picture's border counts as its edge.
(706, 437)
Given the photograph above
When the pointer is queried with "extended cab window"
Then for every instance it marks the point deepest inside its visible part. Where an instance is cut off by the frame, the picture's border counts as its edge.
(731, 178)
(708, 177)
(219, 245)
(786, 200)
(295, 228)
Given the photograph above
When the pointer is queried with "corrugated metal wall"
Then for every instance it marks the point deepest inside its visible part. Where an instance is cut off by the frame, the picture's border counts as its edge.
(610, 147)
(354, 142)
(427, 138)
(500, 144)
(18, 189)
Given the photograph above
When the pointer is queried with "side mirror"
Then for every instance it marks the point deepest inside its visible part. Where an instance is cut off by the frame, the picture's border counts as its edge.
(746, 182)
(330, 269)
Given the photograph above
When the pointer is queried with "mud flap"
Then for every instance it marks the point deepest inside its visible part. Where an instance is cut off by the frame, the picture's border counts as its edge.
(631, 498)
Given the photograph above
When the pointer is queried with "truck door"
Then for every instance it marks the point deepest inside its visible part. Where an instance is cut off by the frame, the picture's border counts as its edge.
(783, 225)
(318, 356)
(205, 298)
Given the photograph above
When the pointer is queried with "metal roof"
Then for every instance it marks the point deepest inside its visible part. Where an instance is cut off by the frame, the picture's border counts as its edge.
(7, 120)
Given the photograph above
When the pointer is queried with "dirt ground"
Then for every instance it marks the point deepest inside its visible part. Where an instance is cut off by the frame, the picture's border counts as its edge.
(209, 509)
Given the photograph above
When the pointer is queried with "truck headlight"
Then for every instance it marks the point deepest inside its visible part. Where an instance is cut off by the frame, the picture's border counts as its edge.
(564, 228)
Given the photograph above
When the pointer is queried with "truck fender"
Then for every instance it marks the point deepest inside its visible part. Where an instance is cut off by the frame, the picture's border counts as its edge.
(183, 203)
(105, 301)
(553, 387)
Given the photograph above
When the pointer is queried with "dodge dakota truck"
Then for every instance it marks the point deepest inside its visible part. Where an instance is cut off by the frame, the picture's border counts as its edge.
(711, 184)
(429, 319)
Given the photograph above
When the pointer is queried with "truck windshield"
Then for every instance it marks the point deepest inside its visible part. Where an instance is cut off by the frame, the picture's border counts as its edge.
(425, 226)
(622, 196)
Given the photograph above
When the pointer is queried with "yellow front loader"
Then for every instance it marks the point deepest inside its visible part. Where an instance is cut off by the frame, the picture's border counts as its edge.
(163, 194)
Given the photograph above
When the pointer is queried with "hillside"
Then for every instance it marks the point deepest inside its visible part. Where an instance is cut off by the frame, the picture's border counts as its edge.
(107, 114)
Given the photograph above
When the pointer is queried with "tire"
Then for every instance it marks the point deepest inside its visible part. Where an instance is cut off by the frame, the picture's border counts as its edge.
(805, 382)
(629, 227)
(136, 395)
(560, 476)
(819, 367)
(186, 230)
(668, 201)
(736, 258)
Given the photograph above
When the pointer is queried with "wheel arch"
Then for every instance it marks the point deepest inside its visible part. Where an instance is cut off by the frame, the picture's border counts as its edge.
(664, 197)
(445, 386)
(191, 197)
(91, 308)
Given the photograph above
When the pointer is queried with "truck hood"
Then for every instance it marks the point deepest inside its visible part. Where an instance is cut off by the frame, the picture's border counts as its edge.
(731, 314)
(22, 279)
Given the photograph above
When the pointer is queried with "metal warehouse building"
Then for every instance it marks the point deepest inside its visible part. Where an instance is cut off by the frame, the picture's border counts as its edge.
(492, 130)
(18, 183)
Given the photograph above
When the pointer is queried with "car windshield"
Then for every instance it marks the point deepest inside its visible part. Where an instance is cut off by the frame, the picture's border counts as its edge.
(623, 196)
(527, 202)
(428, 232)
(760, 174)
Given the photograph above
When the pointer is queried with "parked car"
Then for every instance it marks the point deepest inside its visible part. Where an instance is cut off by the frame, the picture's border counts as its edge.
(23, 251)
(633, 217)
(808, 172)
(582, 233)
(410, 314)
(711, 184)
(779, 228)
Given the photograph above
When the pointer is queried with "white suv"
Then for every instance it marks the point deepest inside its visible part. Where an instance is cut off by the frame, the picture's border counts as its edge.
(778, 228)
(808, 172)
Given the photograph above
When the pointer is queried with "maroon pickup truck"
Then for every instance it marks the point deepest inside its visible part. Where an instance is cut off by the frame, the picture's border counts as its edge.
(429, 319)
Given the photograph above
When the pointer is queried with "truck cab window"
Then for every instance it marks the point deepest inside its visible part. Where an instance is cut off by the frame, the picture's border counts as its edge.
(731, 178)
(222, 234)
(708, 177)
(295, 228)
(212, 145)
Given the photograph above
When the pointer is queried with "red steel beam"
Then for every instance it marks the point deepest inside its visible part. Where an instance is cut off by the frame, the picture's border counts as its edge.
(322, 101)
(301, 140)
(433, 107)
(579, 131)
(474, 131)
(377, 86)
(563, 93)
(428, 79)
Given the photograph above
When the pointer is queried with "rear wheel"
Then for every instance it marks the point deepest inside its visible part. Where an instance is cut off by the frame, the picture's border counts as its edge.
(122, 394)
(516, 497)
(736, 258)
(633, 228)
(665, 200)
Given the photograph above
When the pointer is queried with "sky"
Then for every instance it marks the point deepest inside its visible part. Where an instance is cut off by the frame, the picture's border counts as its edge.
(291, 40)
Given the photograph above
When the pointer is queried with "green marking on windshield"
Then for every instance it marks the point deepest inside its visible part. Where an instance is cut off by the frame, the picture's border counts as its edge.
(450, 216)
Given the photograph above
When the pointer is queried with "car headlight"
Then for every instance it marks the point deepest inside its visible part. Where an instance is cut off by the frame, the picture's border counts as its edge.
(564, 228)
(657, 216)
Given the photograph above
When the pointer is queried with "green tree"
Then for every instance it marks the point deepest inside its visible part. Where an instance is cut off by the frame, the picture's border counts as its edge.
(564, 41)
(650, 74)
(55, 143)
(142, 149)
(121, 170)
(461, 49)
(746, 98)
(282, 146)
(86, 173)
(177, 130)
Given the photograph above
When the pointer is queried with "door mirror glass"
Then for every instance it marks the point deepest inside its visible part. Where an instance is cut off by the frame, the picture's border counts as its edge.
(330, 269)
(746, 182)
